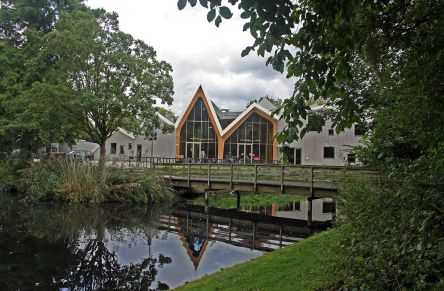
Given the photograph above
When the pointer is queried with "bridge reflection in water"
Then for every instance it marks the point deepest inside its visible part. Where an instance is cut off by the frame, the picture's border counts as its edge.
(263, 229)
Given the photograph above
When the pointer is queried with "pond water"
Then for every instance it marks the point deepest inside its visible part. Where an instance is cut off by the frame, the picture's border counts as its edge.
(78, 247)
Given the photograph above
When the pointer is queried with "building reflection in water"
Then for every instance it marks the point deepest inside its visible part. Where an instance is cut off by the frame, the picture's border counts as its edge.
(256, 228)
(112, 247)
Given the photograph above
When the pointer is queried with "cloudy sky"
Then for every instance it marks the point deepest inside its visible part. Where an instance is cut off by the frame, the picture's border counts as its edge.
(199, 52)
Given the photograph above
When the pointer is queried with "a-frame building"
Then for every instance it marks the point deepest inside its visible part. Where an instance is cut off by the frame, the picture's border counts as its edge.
(205, 131)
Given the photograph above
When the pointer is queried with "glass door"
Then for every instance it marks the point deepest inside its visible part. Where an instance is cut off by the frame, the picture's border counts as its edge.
(245, 152)
(193, 150)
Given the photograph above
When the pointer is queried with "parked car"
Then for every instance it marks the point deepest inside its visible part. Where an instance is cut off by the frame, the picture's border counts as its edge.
(82, 155)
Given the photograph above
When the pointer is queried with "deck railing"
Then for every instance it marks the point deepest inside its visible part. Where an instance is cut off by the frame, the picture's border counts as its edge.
(281, 173)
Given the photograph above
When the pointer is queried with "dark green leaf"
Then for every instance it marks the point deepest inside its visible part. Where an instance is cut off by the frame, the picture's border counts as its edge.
(181, 4)
(218, 21)
(246, 26)
(245, 15)
(192, 2)
(211, 15)
(246, 51)
(204, 3)
(225, 12)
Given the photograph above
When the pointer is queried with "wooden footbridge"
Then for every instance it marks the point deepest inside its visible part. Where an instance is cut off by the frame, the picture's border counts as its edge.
(310, 181)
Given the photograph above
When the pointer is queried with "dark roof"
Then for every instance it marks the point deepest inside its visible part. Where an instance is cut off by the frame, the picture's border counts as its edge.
(225, 118)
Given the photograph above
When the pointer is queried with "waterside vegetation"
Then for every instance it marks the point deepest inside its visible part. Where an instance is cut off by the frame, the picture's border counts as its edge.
(70, 181)
(308, 265)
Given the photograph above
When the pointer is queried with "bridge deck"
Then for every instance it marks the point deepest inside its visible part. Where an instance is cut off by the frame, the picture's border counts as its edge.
(320, 190)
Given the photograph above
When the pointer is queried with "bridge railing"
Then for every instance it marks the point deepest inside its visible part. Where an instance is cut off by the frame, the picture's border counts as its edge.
(261, 172)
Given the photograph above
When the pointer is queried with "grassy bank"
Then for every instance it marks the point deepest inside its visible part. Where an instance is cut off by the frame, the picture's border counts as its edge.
(307, 265)
(74, 182)
(228, 201)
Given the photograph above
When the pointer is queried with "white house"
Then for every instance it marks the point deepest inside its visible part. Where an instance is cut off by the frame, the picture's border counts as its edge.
(123, 145)
(326, 148)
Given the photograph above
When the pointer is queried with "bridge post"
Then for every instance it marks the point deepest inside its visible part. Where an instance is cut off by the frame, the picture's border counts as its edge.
(229, 225)
(310, 199)
(206, 197)
(189, 175)
(209, 176)
(208, 225)
(188, 221)
(282, 179)
(255, 179)
(169, 221)
(238, 199)
(254, 234)
(231, 177)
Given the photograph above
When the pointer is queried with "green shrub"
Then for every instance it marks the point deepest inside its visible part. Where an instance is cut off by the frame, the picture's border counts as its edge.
(145, 189)
(64, 180)
(156, 189)
(117, 176)
(395, 234)
(10, 167)
(71, 181)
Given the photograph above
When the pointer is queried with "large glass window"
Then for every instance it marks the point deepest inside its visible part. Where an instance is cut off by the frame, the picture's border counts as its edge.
(252, 141)
(197, 137)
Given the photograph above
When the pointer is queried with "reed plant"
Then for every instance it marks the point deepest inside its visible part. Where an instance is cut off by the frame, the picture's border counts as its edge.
(77, 182)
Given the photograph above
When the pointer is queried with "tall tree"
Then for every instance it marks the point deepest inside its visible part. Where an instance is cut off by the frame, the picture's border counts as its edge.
(115, 78)
(31, 112)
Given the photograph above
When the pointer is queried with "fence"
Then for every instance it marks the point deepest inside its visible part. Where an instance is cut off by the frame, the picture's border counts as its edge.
(261, 172)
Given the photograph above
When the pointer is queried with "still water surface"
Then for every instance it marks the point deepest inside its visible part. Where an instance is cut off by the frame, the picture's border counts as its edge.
(77, 247)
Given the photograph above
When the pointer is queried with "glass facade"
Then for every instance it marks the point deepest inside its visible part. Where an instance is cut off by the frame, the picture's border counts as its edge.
(252, 141)
(198, 138)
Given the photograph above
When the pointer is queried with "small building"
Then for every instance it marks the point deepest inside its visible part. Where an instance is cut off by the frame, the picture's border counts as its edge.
(204, 131)
(124, 145)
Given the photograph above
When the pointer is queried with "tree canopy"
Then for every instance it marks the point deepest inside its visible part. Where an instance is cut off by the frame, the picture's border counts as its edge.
(116, 77)
(275, 101)
(71, 73)
(32, 112)
(377, 64)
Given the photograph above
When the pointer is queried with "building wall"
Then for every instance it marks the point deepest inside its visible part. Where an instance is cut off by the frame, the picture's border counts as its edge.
(313, 144)
(164, 145)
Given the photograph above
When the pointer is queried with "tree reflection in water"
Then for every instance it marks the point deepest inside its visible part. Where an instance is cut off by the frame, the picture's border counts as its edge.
(77, 234)
(99, 269)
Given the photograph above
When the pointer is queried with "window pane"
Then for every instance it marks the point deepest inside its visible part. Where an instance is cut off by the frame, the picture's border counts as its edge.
(329, 152)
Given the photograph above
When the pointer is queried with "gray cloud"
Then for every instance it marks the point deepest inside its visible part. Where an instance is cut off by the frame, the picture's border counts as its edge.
(200, 53)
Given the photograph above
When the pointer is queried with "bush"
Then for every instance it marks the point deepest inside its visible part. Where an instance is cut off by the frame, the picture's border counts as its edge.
(144, 189)
(395, 234)
(10, 167)
(71, 181)
(118, 176)
(64, 180)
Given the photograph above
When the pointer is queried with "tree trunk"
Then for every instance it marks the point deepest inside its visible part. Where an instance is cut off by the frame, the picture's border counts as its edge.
(102, 155)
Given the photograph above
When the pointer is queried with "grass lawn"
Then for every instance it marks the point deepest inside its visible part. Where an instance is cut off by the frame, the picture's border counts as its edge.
(307, 265)
(256, 200)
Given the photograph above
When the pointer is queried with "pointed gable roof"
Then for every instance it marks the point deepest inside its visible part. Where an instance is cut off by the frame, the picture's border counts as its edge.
(208, 104)
(216, 115)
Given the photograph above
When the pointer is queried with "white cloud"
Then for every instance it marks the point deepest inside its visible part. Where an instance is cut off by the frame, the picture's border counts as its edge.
(200, 53)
